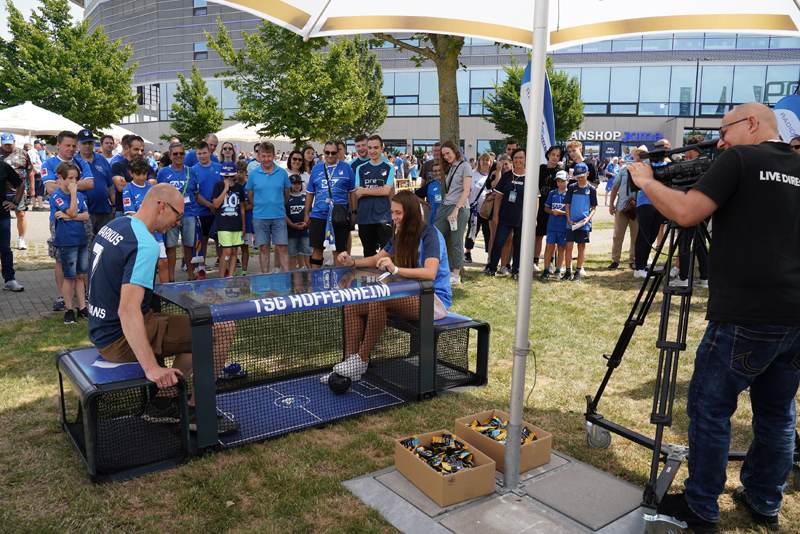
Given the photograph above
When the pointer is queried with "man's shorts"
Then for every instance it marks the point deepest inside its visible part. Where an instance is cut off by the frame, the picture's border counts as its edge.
(230, 239)
(52, 250)
(74, 260)
(248, 238)
(171, 237)
(299, 245)
(207, 223)
(23, 202)
(187, 230)
(169, 334)
(272, 231)
(557, 238)
(609, 184)
(316, 234)
(577, 236)
(162, 251)
(38, 185)
(542, 218)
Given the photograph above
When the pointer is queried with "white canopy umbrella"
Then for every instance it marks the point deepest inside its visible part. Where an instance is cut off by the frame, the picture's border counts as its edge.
(542, 25)
(28, 119)
(118, 131)
(240, 132)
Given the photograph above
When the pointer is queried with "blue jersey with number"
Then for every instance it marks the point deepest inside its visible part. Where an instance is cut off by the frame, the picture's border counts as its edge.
(123, 252)
(229, 215)
(342, 181)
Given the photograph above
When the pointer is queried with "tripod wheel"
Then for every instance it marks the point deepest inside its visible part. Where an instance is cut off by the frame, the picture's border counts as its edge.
(601, 439)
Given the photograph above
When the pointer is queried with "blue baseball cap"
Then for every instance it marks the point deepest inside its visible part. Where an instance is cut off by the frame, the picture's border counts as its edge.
(580, 168)
(228, 169)
(7, 139)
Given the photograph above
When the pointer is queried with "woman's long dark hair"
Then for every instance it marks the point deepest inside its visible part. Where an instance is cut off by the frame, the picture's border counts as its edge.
(444, 163)
(289, 161)
(406, 240)
(307, 165)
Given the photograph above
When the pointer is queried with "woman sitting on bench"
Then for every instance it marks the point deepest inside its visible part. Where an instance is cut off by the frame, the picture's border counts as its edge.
(418, 251)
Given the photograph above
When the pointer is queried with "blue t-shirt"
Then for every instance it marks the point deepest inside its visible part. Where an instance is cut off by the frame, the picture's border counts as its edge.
(49, 175)
(512, 189)
(191, 159)
(268, 192)
(97, 197)
(123, 252)
(581, 200)
(229, 215)
(296, 212)
(641, 198)
(555, 201)
(342, 182)
(132, 198)
(69, 232)
(206, 178)
(432, 191)
(153, 164)
(432, 245)
(398, 163)
(122, 168)
(611, 171)
(373, 210)
(358, 162)
(182, 181)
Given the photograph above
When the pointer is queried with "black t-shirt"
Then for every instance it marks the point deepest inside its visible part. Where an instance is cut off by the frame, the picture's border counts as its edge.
(7, 176)
(547, 179)
(757, 191)
(121, 168)
(165, 160)
(593, 177)
(229, 215)
(510, 186)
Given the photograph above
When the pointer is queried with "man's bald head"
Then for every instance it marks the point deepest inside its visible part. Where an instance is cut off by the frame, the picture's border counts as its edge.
(763, 114)
(749, 124)
(163, 193)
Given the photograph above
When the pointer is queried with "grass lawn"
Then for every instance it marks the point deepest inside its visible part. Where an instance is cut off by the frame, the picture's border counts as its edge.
(293, 483)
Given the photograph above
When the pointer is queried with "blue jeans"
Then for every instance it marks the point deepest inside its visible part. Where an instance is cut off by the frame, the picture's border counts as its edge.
(730, 358)
(6, 256)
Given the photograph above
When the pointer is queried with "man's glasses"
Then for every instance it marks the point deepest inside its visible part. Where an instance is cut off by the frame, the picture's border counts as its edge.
(330, 153)
(176, 154)
(721, 128)
(179, 214)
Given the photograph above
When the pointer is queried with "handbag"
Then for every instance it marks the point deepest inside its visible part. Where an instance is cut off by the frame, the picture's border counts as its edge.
(339, 216)
(487, 209)
(629, 209)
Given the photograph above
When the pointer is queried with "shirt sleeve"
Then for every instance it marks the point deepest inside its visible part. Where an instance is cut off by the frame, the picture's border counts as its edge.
(422, 192)
(82, 207)
(217, 191)
(618, 178)
(310, 186)
(128, 205)
(358, 177)
(568, 197)
(48, 173)
(430, 245)
(593, 196)
(501, 183)
(352, 177)
(140, 265)
(549, 202)
(389, 245)
(117, 169)
(390, 179)
(287, 184)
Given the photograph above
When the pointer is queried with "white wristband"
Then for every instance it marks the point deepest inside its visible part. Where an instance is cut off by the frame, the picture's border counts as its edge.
(396, 268)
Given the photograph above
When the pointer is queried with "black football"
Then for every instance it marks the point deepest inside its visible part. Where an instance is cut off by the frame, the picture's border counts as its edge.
(339, 384)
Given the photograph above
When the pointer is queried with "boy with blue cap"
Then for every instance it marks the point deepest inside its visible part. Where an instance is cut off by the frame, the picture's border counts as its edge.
(580, 206)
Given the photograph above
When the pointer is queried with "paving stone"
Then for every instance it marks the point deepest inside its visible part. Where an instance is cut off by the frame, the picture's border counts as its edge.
(404, 488)
(508, 514)
(555, 462)
(587, 495)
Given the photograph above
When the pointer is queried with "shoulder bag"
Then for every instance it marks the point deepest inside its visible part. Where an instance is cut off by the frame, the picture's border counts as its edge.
(339, 216)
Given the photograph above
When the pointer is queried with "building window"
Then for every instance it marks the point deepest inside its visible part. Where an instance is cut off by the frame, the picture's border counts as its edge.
(200, 8)
(200, 51)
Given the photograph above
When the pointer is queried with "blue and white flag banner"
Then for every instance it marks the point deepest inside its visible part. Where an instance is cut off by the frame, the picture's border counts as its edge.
(548, 138)
(787, 111)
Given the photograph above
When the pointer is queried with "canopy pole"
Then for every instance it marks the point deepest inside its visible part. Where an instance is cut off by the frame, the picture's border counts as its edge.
(521, 344)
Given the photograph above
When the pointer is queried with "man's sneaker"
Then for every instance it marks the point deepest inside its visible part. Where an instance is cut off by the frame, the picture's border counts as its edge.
(577, 277)
(614, 266)
(455, 279)
(329, 262)
(535, 267)
(487, 272)
(201, 275)
(59, 305)
(515, 276)
(83, 314)
(546, 275)
(21, 244)
(504, 270)
(468, 257)
(216, 263)
(69, 317)
(567, 275)
(679, 283)
(353, 367)
(768, 521)
(674, 505)
(700, 282)
(674, 272)
(641, 273)
(582, 272)
(13, 285)
(183, 264)
(168, 414)
(238, 262)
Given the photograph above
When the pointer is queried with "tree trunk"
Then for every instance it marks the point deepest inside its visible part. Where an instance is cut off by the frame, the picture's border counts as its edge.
(446, 68)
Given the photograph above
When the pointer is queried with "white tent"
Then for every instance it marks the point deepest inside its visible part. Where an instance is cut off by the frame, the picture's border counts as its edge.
(119, 131)
(30, 119)
(240, 132)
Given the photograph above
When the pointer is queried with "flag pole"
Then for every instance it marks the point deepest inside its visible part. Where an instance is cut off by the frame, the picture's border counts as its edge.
(538, 64)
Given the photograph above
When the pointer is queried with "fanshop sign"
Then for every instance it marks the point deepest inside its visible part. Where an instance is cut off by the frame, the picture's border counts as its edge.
(623, 137)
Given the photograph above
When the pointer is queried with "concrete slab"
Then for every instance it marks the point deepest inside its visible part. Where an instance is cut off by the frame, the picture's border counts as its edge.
(508, 514)
(402, 515)
(555, 462)
(405, 489)
(629, 524)
(589, 496)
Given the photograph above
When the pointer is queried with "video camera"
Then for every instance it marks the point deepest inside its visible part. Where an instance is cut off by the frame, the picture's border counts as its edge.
(679, 173)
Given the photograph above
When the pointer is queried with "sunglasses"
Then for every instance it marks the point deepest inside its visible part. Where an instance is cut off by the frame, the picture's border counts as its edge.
(178, 153)
(226, 148)
(179, 214)
(796, 147)
(329, 153)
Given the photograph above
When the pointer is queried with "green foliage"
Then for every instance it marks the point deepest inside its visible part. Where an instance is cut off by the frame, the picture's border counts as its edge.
(290, 88)
(506, 110)
(419, 153)
(499, 147)
(58, 65)
(195, 112)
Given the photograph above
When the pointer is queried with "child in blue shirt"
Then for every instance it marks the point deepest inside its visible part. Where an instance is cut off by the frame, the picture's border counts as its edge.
(581, 205)
(70, 212)
(556, 225)
(132, 198)
(433, 192)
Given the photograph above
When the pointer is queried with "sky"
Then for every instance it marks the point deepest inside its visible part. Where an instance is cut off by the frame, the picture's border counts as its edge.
(26, 6)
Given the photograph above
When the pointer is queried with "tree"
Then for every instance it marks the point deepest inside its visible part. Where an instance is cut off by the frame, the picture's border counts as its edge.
(443, 52)
(289, 87)
(58, 65)
(506, 110)
(195, 112)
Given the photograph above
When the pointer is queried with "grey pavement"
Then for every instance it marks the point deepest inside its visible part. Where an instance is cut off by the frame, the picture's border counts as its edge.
(40, 286)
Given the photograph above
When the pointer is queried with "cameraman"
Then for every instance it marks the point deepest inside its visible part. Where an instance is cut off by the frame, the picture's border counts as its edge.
(753, 336)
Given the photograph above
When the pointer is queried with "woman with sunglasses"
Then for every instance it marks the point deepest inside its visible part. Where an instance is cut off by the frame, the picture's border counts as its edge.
(227, 152)
(295, 164)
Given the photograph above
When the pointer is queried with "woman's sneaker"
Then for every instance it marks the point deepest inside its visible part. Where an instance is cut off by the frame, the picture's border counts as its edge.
(353, 367)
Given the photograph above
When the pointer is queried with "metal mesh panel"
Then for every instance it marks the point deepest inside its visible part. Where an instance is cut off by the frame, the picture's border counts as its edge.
(452, 359)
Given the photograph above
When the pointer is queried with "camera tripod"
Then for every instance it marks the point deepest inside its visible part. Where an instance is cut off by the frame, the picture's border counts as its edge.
(671, 341)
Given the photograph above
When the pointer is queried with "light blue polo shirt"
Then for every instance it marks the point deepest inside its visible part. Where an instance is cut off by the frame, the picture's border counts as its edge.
(268, 192)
